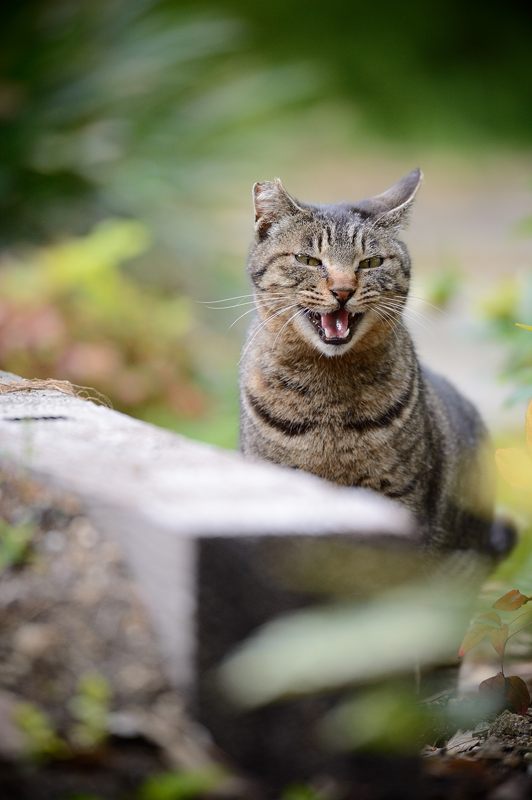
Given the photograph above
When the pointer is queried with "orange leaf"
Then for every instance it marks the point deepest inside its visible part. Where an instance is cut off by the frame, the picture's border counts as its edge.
(490, 617)
(498, 638)
(511, 601)
(517, 694)
(474, 636)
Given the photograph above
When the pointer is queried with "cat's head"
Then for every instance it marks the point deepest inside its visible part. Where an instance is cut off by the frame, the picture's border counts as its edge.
(329, 274)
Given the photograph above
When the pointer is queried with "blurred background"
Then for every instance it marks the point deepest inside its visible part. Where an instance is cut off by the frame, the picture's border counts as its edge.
(132, 131)
(131, 134)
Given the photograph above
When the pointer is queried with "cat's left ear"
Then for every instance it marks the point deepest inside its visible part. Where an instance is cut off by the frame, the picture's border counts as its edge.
(392, 207)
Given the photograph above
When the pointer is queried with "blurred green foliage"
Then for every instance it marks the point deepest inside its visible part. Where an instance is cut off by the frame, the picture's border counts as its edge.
(147, 107)
(135, 107)
(15, 544)
(452, 74)
(510, 301)
(299, 791)
(90, 708)
(69, 309)
(181, 785)
(442, 287)
(42, 740)
(387, 718)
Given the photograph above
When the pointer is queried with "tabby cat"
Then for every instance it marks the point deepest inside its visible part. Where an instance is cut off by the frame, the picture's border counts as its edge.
(330, 380)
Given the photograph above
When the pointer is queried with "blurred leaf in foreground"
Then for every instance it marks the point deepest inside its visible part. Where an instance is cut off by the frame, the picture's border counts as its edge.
(386, 718)
(331, 646)
(515, 464)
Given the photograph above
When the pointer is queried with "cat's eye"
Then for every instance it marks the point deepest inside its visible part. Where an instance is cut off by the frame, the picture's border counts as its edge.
(310, 261)
(371, 263)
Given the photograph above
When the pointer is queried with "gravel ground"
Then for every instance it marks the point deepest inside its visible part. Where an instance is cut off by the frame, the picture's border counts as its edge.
(69, 613)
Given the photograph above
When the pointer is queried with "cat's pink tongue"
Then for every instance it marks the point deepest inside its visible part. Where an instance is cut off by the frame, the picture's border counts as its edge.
(336, 324)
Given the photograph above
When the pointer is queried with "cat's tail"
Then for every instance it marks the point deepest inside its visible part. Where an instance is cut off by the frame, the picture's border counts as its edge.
(502, 537)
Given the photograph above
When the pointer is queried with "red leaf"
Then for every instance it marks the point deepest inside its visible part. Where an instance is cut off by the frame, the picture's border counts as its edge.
(511, 601)
(495, 684)
(495, 689)
(511, 693)
(517, 694)
(474, 636)
(498, 638)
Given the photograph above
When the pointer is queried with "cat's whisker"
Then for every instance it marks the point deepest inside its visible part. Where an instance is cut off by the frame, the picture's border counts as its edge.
(247, 303)
(415, 315)
(261, 326)
(409, 316)
(418, 315)
(255, 301)
(388, 325)
(298, 312)
(227, 299)
(417, 310)
(390, 322)
(428, 303)
(249, 311)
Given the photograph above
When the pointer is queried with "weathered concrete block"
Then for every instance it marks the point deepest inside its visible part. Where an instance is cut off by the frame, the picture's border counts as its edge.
(216, 542)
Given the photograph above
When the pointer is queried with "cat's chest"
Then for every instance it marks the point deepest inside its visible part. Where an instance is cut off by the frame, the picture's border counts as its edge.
(313, 425)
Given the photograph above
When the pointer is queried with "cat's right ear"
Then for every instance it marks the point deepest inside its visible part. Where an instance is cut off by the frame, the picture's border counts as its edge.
(271, 202)
(392, 207)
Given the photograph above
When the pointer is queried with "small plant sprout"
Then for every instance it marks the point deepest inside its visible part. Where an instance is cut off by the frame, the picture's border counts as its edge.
(509, 692)
(42, 741)
(90, 708)
(15, 545)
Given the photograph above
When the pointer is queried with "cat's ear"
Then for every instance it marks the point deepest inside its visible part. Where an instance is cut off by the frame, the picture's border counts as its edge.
(392, 207)
(271, 202)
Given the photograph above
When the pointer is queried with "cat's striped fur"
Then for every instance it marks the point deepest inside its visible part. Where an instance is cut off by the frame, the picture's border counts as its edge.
(330, 380)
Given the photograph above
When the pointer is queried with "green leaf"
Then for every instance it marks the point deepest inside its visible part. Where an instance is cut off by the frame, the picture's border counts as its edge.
(180, 785)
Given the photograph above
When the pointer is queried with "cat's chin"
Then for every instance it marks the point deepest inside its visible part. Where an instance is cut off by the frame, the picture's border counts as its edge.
(315, 334)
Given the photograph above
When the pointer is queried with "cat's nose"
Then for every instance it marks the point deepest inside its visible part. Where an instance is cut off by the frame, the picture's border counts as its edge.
(342, 294)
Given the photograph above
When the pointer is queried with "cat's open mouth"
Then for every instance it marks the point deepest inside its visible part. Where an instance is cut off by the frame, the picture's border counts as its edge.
(336, 327)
